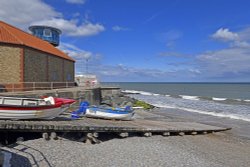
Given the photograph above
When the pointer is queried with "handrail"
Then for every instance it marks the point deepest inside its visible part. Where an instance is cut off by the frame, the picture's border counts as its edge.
(25, 86)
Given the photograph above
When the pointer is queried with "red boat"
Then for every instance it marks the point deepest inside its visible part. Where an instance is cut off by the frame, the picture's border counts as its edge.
(18, 108)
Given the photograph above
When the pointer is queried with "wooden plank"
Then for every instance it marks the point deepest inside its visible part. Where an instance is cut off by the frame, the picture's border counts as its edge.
(99, 125)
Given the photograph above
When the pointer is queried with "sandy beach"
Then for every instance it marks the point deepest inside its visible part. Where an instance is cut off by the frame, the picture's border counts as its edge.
(230, 148)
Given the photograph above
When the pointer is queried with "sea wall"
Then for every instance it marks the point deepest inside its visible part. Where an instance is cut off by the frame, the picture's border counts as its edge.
(93, 95)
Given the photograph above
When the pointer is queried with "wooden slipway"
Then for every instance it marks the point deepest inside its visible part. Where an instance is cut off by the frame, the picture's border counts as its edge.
(84, 124)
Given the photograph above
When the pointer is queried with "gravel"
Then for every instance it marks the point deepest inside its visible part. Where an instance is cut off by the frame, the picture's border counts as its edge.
(217, 150)
(208, 150)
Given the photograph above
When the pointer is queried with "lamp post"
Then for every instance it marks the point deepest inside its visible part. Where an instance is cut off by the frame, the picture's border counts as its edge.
(87, 60)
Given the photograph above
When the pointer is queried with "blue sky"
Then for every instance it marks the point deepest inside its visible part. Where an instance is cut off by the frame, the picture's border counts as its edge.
(146, 40)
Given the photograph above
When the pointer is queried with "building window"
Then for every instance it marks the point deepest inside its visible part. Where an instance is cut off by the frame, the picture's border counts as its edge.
(47, 33)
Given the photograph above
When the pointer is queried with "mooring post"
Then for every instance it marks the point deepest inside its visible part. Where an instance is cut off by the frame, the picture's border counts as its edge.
(181, 133)
(53, 136)
(19, 139)
(166, 134)
(95, 134)
(92, 138)
(45, 136)
(147, 134)
(124, 134)
(193, 133)
(205, 132)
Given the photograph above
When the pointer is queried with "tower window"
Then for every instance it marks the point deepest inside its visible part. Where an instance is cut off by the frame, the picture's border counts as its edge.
(47, 33)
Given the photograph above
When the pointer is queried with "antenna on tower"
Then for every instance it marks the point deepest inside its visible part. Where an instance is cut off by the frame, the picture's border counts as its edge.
(87, 68)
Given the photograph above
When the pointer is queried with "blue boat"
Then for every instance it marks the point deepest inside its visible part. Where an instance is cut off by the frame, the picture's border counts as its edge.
(105, 112)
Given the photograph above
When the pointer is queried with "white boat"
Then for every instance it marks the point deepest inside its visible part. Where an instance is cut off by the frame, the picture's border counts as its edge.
(18, 108)
(110, 113)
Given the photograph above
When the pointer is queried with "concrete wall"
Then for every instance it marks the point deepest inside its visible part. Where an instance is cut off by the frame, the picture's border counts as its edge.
(93, 96)
(107, 91)
(10, 64)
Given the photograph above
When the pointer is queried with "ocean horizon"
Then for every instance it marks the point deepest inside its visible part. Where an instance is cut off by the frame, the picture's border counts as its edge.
(229, 100)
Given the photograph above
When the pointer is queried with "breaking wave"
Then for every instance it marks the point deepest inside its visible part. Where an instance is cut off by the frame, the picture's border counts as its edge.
(219, 107)
(218, 99)
(190, 97)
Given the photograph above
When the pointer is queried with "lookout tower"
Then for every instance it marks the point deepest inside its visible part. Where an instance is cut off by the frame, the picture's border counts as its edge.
(50, 34)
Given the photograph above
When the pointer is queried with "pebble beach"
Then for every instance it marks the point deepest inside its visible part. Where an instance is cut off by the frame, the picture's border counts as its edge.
(218, 149)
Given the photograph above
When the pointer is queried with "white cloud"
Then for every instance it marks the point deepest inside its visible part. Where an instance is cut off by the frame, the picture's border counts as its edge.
(195, 71)
(233, 61)
(119, 28)
(241, 44)
(21, 13)
(29, 12)
(173, 54)
(76, 1)
(82, 58)
(121, 72)
(76, 52)
(225, 35)
(245, 34)
(170, 37)
(70, 27)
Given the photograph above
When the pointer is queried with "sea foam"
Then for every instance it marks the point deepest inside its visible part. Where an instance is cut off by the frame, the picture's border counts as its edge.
(225, 115)
(219, 99)
(189, 97)
(207, 107)
(139, 92)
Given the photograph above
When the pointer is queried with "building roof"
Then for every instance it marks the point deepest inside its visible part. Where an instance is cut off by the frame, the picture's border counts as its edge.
(12, 35)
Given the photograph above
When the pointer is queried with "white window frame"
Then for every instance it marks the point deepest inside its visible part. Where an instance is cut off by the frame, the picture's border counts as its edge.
(47, 32)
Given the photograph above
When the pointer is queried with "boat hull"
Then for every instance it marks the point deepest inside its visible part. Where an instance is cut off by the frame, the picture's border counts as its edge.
(32, 114)
(108, 114)
(16, 108)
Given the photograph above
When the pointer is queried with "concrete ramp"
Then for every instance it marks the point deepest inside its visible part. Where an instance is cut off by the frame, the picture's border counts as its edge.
(99, 125)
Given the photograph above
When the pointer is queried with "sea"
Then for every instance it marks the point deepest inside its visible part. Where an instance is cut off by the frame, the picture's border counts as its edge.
(227, 100)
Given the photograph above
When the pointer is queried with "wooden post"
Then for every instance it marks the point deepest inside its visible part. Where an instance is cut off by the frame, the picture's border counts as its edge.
(124, 134)
(166, 134)
(45, 136)
(181, 133)
(92, 138)
(193, 133)
(95, 134)
(147, 134)
(53, 136)
(19, 140)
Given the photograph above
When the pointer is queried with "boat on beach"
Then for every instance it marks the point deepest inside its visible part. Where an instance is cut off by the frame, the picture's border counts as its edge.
(103, 112)
(18, 108)
(110, 113)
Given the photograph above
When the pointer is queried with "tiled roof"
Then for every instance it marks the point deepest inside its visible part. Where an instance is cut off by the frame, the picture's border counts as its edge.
(13, 35)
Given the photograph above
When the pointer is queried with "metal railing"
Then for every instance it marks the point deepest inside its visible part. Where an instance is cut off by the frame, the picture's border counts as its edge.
(29, 86)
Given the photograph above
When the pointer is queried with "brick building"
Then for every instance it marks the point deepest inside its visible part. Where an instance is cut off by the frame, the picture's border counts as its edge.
(25, 58)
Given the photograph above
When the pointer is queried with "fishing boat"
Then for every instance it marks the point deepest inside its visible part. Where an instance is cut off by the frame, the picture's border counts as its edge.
(110, 113)
(18, 108)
